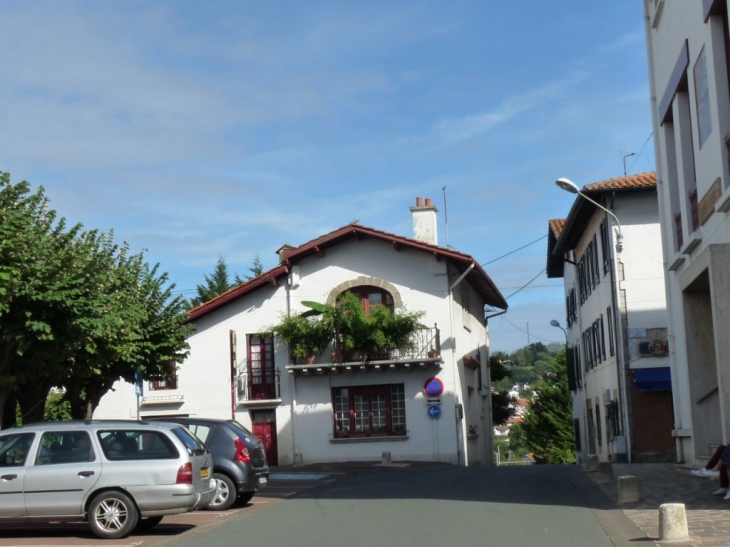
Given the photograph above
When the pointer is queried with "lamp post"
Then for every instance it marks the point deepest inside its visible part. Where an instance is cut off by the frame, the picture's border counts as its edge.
(556, 323)
(569, 186)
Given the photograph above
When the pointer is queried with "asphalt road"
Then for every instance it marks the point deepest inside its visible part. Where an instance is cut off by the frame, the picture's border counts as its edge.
(420, 505)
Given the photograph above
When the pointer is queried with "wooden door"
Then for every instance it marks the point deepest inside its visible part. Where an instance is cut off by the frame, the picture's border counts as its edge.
(264, 428)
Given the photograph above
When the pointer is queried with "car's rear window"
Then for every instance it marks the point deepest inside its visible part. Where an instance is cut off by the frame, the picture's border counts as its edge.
(130, 444)
(191, 442)
(242, 430)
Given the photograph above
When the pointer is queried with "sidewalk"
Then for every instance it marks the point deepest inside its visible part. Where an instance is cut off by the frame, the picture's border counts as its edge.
(708, 516)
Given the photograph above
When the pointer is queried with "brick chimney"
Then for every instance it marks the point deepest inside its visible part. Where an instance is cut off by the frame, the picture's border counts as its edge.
(424, 221)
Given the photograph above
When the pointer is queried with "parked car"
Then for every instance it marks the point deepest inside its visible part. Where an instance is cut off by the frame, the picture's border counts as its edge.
(115, 475)
(239, 458)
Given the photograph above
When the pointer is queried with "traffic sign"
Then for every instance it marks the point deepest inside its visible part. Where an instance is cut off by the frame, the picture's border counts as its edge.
(433, 387)
(434, 412)
(434, 401)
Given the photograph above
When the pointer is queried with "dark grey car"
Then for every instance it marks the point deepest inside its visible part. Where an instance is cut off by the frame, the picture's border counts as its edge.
(239, 458)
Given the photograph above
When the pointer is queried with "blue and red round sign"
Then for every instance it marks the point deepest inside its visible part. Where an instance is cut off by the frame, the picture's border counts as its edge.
(433, 387)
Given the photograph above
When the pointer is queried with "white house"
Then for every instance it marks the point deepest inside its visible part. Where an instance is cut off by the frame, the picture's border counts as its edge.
(332, 411)
(608, 252)
(689, 50)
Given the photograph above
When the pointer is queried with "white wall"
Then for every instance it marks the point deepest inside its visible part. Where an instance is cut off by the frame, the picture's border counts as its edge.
(304, 417)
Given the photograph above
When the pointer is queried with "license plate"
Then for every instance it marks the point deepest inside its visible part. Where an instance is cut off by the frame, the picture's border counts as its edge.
(205, 472)
(263, 481)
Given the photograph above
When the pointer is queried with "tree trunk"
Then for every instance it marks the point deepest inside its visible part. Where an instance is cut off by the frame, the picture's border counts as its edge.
(7, 410)
(32, 401)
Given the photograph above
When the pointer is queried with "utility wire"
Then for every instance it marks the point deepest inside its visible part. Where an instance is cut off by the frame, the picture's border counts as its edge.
(512, 252)
(503, 318)
(526, 284)
(640, 151)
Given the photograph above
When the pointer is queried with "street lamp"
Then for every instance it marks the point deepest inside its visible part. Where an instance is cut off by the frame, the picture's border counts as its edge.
(556, 323)
(569, 186)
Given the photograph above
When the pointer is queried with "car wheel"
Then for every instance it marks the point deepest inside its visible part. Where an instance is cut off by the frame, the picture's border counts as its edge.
(112, 515)
(147, 523)
(225, 493)
(245, 497)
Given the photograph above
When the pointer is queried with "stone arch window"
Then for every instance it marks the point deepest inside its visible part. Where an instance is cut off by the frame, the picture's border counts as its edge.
(372, 290)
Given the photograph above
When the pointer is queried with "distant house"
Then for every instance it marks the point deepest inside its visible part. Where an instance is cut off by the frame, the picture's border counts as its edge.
(341, 408)
(615, 319)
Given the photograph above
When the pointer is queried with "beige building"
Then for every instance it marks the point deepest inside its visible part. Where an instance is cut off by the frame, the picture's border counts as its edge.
(689, 53)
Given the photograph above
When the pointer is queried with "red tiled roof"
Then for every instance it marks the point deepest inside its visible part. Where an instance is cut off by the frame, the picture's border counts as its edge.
(642, 180)
(556, 226)
(232, 294)
(290, 255)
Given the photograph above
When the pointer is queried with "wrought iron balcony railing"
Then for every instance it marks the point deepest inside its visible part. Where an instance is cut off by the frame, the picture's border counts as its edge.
(425, 344)
(259, 385)
(166, 383)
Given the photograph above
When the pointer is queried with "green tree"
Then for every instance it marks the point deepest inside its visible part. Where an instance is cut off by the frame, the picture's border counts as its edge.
(548, 424)
(501, 409)
(257, 268)
(215, 284)
(77, 310)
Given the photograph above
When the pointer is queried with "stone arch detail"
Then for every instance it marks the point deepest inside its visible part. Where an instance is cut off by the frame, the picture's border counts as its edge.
(369, 281)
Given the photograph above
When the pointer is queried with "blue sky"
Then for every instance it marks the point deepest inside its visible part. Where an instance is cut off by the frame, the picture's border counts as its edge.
(228, 128)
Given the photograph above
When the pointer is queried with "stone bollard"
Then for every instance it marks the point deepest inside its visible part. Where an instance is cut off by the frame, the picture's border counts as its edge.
(387, 458)
(673, 522)
(604, 472)
(628, 490)
(591, 464)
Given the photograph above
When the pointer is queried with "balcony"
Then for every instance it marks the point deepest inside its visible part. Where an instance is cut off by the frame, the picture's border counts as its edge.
(259, 388)
(170, 382)
(423, 351)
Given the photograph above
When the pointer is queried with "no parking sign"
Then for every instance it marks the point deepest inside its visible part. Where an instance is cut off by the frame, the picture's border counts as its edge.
(433, 387)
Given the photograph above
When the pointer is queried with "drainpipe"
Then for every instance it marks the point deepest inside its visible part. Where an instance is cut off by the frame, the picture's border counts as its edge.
(293, 383)
(453, 362)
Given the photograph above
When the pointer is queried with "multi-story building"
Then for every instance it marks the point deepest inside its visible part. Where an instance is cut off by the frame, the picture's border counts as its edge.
(689, 54)
(608, 252)
(427, 402)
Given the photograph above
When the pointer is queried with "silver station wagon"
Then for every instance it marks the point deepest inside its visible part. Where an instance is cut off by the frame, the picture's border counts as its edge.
(116, 475)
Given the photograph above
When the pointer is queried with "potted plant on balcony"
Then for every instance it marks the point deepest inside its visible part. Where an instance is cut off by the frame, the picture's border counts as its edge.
(374, 336)
(394, 331)
(306, 335)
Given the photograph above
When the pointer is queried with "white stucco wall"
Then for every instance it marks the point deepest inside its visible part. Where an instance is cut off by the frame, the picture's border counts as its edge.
(304, 416)
(640, 279)
(667, 31)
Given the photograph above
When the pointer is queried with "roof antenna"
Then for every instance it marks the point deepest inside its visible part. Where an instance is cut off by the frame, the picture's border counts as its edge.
(446, 217)
(626, 155)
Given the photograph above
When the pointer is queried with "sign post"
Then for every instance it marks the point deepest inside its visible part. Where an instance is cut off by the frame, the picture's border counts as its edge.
(138, 388)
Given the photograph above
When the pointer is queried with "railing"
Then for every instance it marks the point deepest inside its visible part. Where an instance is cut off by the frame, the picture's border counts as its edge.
(424, 344)
(167, 383)
(259, 385)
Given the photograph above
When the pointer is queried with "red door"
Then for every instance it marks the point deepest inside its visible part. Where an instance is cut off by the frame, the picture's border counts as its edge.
(264, 428)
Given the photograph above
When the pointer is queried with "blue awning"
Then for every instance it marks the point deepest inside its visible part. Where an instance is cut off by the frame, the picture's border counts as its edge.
(653, 379)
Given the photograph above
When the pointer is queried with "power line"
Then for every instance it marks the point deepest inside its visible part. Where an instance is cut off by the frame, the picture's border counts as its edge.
(526, 284)
(640, 151)
(531, 335)
(512, 252)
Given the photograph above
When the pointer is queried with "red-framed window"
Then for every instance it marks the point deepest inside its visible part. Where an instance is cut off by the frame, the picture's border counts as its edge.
(261, 370)
(167, 381)
(369, 411)
(372, 297)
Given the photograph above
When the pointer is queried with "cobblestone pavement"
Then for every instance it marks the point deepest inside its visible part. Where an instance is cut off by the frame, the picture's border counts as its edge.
(708, 516)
